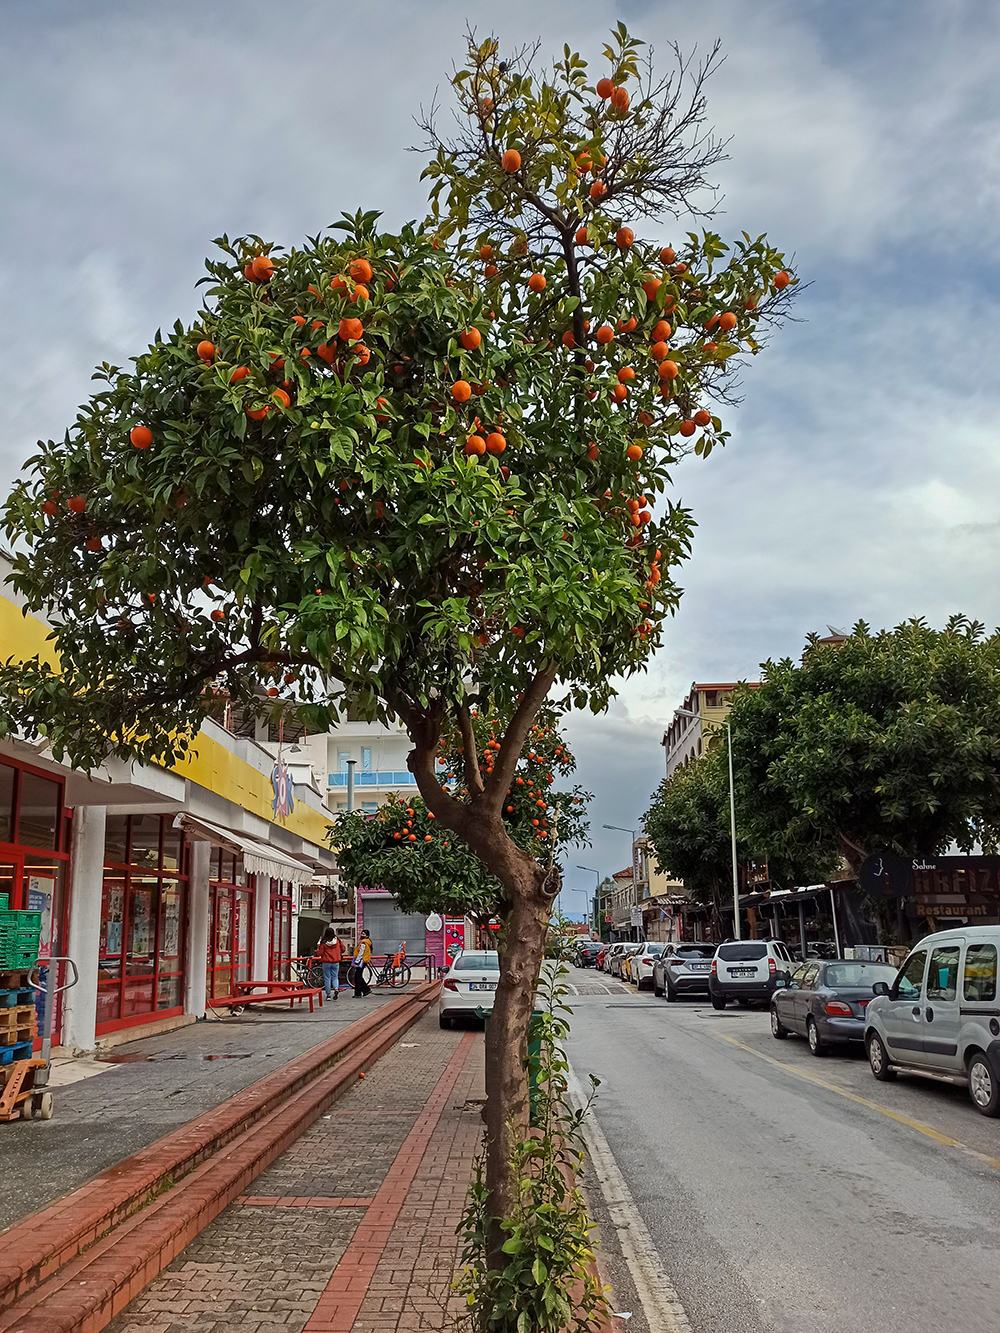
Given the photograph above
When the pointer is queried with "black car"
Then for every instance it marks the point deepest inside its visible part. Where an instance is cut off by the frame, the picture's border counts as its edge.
(825, 1002)
(586, 953)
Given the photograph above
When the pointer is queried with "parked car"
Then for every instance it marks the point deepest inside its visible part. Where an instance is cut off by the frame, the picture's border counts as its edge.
(617, 960)
(586, 953)
(825, 1002)
(612, 951)
(683, 969)
(640, 965)
(468, 985)
(939, 1015)
(746, 970)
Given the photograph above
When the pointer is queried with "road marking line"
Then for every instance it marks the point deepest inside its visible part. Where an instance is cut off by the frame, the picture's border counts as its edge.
(660, 1302)
(571, 987)
(945, 1140)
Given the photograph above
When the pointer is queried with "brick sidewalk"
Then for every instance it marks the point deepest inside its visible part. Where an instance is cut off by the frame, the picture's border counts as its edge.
(352, 1230)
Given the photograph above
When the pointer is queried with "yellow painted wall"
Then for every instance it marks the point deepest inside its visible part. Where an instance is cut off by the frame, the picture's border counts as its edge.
(210, 765)
(23, 636)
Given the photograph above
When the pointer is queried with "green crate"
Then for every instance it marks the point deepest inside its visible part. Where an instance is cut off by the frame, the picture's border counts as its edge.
(21, 920)
(15, 959)
(3, 902)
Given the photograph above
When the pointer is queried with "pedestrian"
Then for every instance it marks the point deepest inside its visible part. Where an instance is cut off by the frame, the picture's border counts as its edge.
(330, 952)
(362, 957)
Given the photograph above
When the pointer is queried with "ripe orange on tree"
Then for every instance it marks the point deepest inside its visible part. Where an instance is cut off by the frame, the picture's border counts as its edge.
(475, 444)
(651, 285)
(338, 283)
(495, 442)
(77, 504)
(661, 332)
(257, 413)
(619, 393)
(605, 334)
(688, 428)
(491, 270)
(727, 321)
(263, 267)
(604, 88)
(511, 160)
(624, 237)
(461, 391)
(206, 350)
(218, 615)
(598, 189)
(470, 339)
(581, 235)
(360, 293)
(361, 270)
(667, 255)
(701, 417)
(141, 436)
(658, 351)
(536, 282)
(240, 373)
(351, 330)
(620, 99)
(626, 373)
(633, 453)
(781, 280)
(668, 370)
(281, 397)
(486, 252)
(568, 340)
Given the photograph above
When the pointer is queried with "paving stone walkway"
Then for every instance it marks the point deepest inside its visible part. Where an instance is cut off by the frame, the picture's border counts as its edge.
(352, 1230)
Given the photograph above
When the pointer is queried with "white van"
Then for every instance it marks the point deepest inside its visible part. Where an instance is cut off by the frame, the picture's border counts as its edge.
(941, 1017)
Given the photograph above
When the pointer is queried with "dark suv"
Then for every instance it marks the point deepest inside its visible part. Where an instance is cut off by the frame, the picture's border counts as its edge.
(746, 970)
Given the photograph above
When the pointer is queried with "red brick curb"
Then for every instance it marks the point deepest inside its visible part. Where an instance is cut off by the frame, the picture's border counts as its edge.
(275, 1201)
(339, 1304)
(257, 1125)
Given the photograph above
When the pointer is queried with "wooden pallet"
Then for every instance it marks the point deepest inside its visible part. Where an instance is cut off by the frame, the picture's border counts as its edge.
(15, 978)
(18, 1024)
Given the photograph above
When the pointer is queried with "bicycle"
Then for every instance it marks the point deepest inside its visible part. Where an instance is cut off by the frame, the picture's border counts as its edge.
(308, 970)
(394, 971)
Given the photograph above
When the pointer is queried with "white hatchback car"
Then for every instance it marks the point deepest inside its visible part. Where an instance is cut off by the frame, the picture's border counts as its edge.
(468, 985)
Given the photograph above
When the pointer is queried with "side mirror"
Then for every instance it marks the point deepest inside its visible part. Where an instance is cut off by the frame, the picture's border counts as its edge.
(880, 988)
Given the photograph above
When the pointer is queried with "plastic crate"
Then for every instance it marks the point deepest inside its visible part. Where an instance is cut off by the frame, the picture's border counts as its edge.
(20, 1051)
(15, 958)
(11, 998)
(21, 920)
(4, 904)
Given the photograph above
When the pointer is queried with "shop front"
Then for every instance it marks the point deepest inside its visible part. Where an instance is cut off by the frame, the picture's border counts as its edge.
(140, 970)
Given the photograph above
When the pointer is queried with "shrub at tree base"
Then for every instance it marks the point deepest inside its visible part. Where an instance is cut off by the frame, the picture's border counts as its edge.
(320, 516)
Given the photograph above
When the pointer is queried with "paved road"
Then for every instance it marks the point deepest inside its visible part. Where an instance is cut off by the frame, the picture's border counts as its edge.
(786, 1193)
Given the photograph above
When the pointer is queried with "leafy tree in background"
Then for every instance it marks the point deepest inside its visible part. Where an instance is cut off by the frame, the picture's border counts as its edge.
(888, 741)
(688, 825)
(407, 472)
(404, 848)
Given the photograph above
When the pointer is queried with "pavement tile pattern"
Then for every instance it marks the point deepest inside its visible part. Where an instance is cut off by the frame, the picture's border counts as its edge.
(352, 1230)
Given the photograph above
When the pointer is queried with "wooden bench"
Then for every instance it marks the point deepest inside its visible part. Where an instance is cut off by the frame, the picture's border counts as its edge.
(264, 992)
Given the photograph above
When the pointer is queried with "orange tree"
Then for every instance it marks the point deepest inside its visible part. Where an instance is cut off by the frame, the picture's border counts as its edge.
(405, 471)
(404, 849)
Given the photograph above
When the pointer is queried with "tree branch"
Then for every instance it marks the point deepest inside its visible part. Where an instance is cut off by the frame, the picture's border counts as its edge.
(470, 756)
(498, 783)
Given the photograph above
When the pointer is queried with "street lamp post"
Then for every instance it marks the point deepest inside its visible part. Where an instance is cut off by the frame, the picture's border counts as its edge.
(635, 837)
(709, 722)
(595, 925)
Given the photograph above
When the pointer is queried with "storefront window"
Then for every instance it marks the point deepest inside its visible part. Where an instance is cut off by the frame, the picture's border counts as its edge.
(229, 924)
(142, 921)
(40, 806)
(6, 803)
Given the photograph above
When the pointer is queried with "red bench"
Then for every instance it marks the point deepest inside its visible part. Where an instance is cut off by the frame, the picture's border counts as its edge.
(263, 992)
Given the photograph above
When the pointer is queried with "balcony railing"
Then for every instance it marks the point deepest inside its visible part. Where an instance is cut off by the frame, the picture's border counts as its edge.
(386, 778)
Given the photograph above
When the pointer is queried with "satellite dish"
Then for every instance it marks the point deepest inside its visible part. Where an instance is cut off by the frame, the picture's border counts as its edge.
(433, 922)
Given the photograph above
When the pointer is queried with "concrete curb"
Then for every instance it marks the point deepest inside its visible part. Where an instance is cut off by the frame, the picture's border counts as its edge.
(149, 1215)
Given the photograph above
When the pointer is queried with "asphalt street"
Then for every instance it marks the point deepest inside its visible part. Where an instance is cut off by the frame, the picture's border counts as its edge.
(786, 1193)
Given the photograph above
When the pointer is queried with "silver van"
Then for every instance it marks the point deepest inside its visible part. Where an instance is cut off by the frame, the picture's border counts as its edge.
(940, 1017)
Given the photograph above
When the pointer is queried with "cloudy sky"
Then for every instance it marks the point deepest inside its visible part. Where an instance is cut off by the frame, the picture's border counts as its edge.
(862, 476)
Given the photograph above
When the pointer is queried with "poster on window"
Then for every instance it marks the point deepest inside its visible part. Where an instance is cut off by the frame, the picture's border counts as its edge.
(41, 891)
(454, 936)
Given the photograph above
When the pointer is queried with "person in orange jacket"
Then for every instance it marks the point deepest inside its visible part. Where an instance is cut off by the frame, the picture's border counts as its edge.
(329, 953)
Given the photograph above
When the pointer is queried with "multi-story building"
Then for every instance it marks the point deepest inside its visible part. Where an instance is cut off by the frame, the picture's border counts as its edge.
(687, 738)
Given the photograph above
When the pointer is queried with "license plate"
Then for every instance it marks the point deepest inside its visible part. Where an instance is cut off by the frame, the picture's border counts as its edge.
(482, 985)
(742, 971)
(699, 967)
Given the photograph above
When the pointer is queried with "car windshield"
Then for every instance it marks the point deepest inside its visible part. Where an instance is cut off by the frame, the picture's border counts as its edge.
(847, 975)
(695, 953)
(654, 950)
(742, 953)
(477, 962)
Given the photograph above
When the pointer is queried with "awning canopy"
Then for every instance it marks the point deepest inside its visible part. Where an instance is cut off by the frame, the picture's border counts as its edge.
(259, 858)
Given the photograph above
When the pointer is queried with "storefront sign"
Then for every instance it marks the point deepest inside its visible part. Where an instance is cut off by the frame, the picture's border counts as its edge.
(283, 803)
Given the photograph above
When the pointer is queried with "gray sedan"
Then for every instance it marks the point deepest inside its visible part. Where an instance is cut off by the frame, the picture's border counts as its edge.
(825, 1002)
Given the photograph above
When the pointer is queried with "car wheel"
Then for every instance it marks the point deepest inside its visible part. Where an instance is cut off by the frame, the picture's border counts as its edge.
(778, 1028)
(444, 1020)
(815, 1041)
(718, 1002)
(984, 1089)
(671, 993)
(879, 1060)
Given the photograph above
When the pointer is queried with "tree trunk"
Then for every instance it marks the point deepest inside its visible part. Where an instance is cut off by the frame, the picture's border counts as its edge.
(507, 1110)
